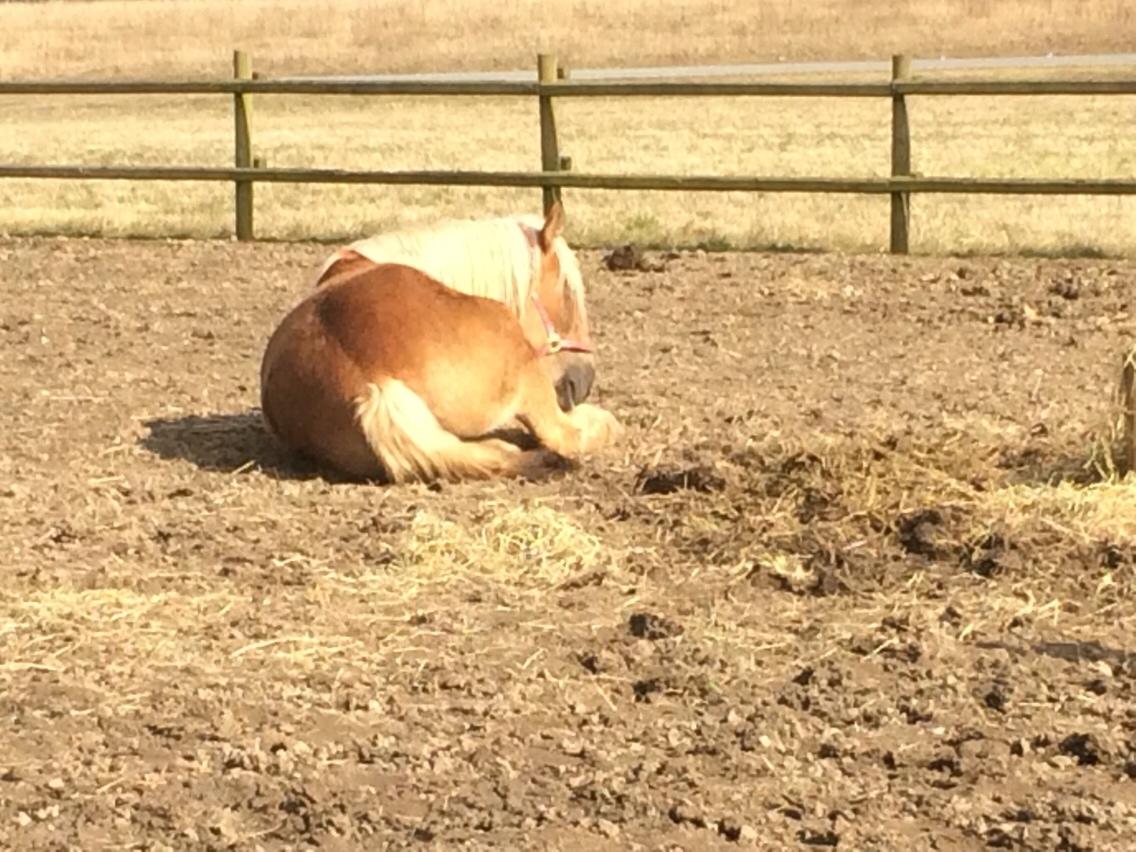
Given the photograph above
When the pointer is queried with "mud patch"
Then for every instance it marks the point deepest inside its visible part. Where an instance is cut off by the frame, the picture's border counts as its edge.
(667, 481)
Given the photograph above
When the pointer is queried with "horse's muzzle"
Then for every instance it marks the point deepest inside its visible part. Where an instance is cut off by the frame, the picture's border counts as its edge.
(575, 384)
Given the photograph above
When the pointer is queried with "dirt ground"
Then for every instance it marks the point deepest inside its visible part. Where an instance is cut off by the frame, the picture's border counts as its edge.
(858, 576)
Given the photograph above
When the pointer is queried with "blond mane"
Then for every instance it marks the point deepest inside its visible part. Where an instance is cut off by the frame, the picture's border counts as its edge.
(482, 257)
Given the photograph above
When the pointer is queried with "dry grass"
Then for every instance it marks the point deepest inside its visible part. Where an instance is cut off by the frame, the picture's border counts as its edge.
(1102, 511)
(120, 640)
(521, 553)
(1027, 137)
(182, 37)
(944, 499)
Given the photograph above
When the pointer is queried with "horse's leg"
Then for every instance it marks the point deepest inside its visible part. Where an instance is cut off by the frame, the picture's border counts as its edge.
(584, 429)
(411, 444)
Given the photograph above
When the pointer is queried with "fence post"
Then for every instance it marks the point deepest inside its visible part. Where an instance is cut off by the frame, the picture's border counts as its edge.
(546, 68)
(900, 156)
(242, 158)
(1128, 400)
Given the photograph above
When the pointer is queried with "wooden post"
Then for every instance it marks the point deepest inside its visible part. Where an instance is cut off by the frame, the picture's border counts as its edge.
(900, 156)
(546, 68)
(242, 157)
(1128, 394)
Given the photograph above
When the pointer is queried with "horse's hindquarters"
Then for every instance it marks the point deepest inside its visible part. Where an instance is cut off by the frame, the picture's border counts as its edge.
(422, 365)
(309, 393)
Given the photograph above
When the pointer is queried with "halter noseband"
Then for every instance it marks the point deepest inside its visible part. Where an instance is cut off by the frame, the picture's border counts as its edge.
(555, 343)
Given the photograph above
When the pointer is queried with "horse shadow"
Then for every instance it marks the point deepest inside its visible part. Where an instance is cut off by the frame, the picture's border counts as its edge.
(227, 443)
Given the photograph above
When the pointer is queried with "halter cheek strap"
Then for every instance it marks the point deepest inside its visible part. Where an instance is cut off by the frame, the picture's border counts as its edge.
(554, 343)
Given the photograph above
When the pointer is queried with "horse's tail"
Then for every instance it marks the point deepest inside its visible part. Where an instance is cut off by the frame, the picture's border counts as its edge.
(412, 445)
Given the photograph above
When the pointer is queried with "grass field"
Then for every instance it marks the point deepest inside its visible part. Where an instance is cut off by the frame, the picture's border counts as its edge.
(189, 37)
(1010, 137)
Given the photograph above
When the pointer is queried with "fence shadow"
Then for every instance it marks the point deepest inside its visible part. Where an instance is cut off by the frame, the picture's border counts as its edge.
(225, 443)
(1061, 459)
(1071, 651)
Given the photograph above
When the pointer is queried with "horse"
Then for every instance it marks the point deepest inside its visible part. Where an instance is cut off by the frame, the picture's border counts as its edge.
(415, 350)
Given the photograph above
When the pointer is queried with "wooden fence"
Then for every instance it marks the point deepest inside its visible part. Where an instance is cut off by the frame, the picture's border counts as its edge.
(556, 174)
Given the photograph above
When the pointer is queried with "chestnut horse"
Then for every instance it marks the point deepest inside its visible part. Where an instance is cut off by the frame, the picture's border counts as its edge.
(415, 347)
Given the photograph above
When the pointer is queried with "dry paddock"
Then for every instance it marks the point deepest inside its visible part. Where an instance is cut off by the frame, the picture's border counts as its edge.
(858, 577)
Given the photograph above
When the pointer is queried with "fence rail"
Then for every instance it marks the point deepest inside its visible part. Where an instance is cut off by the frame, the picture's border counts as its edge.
(582, 180)
(552, 83)
(567, 88)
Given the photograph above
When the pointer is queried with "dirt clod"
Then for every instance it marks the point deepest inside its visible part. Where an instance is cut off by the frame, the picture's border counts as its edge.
(918, 531)
(668, 481)
(630, 258)
(644, 625)
(683, 812)
(1084, 747)
(996, 698)
(644, 689)
(819, 837)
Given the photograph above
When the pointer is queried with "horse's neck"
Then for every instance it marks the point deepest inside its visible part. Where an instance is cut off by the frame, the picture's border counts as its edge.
(488, 268)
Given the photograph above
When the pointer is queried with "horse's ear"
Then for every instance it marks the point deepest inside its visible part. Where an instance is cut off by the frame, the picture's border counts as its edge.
(553, 225)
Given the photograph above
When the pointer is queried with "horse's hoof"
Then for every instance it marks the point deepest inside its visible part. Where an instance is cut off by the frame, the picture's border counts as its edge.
(598, 425)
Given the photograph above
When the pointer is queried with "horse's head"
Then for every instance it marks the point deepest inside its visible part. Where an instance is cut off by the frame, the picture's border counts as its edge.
(555, 319)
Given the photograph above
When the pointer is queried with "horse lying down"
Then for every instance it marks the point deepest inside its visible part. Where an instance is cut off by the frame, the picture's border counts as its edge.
(415, 348)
